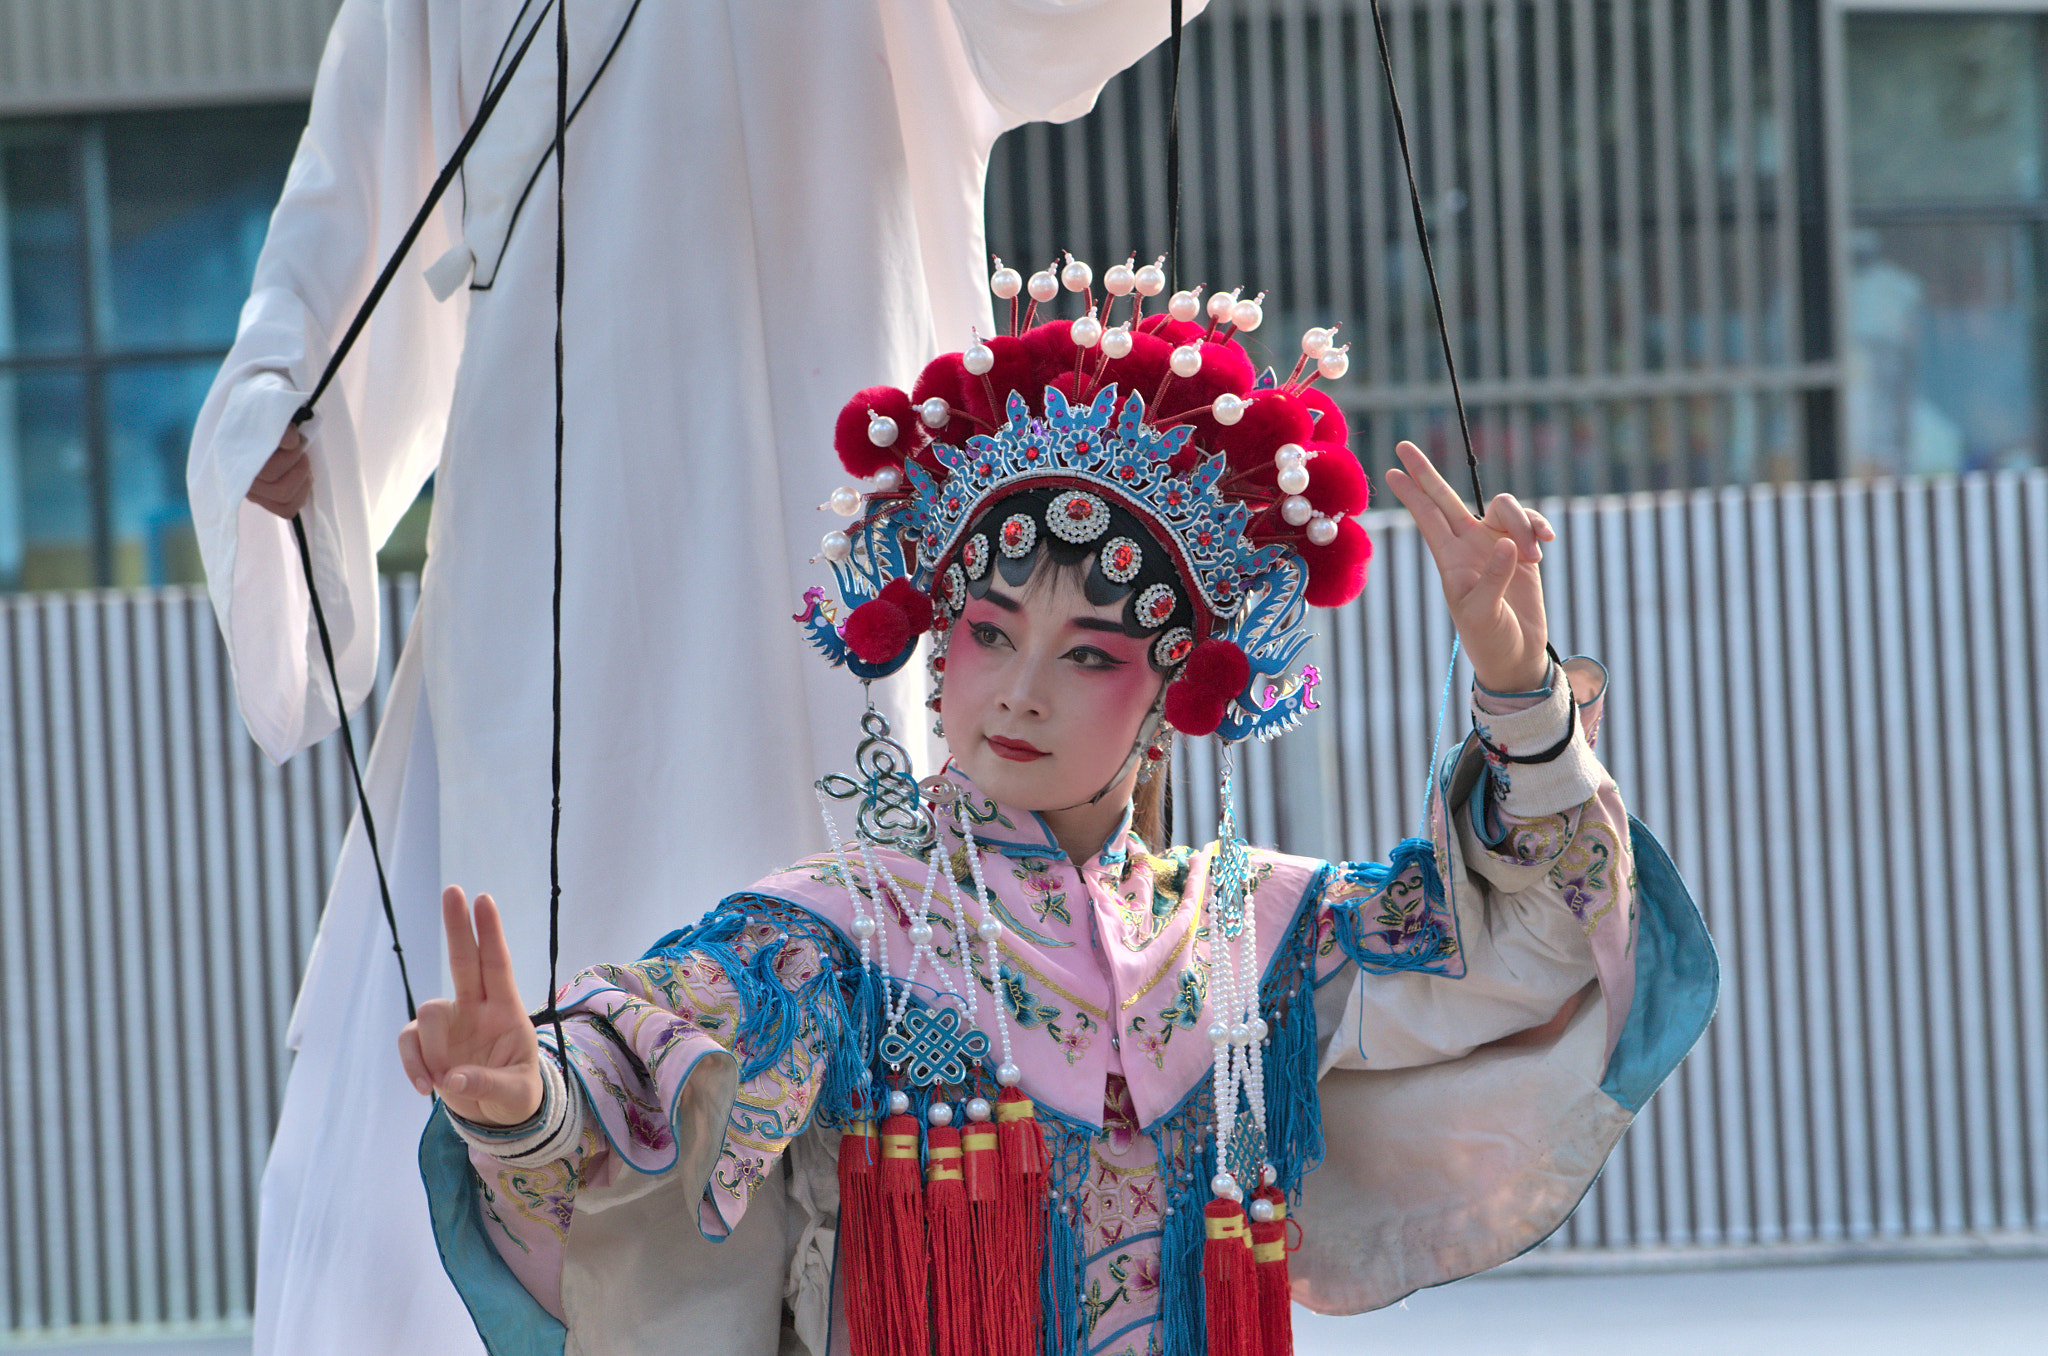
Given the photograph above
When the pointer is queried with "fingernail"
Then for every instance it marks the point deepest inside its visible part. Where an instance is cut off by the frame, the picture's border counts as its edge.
(457, 1082)
(422, 1087)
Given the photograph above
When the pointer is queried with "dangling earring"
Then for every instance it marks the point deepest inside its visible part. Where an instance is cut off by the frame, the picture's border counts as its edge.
(1153, 759)
(936, 666)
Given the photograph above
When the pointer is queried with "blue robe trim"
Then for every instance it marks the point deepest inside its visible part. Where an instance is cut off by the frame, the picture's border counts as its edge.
(510, 1321)
(1678, 977)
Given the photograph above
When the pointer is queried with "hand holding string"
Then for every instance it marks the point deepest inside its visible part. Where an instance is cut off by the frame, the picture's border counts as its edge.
(1488, 567)
(285, 482)
(477, 1049)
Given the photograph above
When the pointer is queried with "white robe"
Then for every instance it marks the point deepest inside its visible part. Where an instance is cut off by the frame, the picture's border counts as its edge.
(769, 206)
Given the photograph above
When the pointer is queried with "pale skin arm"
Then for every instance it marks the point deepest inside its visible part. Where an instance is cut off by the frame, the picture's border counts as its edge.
(476, 1049)
(1489, 571)
(286, 481)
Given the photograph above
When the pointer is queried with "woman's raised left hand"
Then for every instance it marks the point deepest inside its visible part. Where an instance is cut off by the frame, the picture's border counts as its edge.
(1489, 571)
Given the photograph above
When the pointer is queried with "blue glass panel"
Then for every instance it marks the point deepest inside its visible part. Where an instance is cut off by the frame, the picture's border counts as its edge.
(46, 515)
(149, 413)
(1943, 353)
(42, 290)
(189, 197)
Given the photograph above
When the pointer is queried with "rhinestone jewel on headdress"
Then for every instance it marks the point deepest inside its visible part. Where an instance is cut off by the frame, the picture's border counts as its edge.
(1155, 606)
(1077, 517)
(1019, 533)
(1121, 560)
(974, 555)
(1172, 647)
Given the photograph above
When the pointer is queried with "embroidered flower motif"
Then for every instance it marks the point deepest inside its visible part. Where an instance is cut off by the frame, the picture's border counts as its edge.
(1119, 1115)
(1144, 1274)
(647, 1127)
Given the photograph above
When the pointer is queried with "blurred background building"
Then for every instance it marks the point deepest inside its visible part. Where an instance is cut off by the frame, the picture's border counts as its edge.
(1762, 256)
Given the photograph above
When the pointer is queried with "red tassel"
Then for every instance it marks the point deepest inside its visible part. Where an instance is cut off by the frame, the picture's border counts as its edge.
(1021, 1145)
(1228, 1285)
(956, 1315)
(1269, 1262)
(860, 1213)
(996, 1290)
(900, 1244)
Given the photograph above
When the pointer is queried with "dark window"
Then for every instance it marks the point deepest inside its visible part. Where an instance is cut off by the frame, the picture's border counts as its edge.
(128, 242)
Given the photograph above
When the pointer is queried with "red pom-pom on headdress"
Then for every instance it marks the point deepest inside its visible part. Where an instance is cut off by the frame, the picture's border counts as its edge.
(1330, 424)
(857, 451)
(1215, 672)
(1174, 332)
(1336, 482)
(1272, 419)
(877, 631)
(917, 607)
(1336, 573)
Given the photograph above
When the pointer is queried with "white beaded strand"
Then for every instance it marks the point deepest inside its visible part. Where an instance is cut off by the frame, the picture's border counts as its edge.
(990, 931)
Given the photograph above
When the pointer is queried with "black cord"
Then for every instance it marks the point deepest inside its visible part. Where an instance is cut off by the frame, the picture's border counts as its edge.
(1379, 27)
(305, 412)
(348, 745)
(1173, 149)
(412, 232)
(561, 278)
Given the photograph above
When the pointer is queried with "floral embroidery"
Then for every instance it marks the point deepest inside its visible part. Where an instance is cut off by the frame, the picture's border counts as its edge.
(1411, 928)
(1073, 1041)
(1043, 888)
(1530, 841)
(1184, 1011)
(1145, 913)
(745, 1175)
(1119, 1114)
(1024, 1008)
(1584, 874)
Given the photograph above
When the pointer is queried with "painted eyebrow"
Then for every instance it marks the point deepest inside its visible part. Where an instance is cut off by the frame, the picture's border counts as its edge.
(1097, 624)
(1002, 600)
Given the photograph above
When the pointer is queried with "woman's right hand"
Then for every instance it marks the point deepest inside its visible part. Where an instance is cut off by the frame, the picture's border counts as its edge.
(477, 1049)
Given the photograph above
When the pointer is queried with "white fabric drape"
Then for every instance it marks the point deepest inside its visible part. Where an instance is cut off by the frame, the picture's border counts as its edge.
(769, 206)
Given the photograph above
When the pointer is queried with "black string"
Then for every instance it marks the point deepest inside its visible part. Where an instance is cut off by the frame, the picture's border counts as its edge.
(561, 278)
(1436, 294)
(305, 412)
(412, 232)
(348, 745)
(1443, 330)
(1173, 150)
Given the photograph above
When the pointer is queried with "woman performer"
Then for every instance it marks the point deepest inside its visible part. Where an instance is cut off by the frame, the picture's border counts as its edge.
(1087, 1092)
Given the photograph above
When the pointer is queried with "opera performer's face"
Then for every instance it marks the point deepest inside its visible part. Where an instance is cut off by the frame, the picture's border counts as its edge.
(1045, 692)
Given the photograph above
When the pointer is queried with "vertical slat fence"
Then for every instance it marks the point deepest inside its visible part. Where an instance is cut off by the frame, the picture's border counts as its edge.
(160, 882)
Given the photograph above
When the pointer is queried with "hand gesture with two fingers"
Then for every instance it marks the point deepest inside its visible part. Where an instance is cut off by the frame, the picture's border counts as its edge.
(476, 1049)
(1488, 569)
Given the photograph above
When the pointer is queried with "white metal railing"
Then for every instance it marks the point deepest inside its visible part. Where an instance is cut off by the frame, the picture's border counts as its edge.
(1825, 701)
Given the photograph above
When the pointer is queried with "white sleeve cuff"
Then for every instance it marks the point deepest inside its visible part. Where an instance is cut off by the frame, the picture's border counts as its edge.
(549, 1134)
(1559, 782)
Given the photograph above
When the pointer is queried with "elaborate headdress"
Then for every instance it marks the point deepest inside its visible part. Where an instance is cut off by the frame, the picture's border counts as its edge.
(1223, 503)
(1241, 481)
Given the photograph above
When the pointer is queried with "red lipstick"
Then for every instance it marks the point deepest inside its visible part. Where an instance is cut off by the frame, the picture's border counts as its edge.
(1016, 750)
